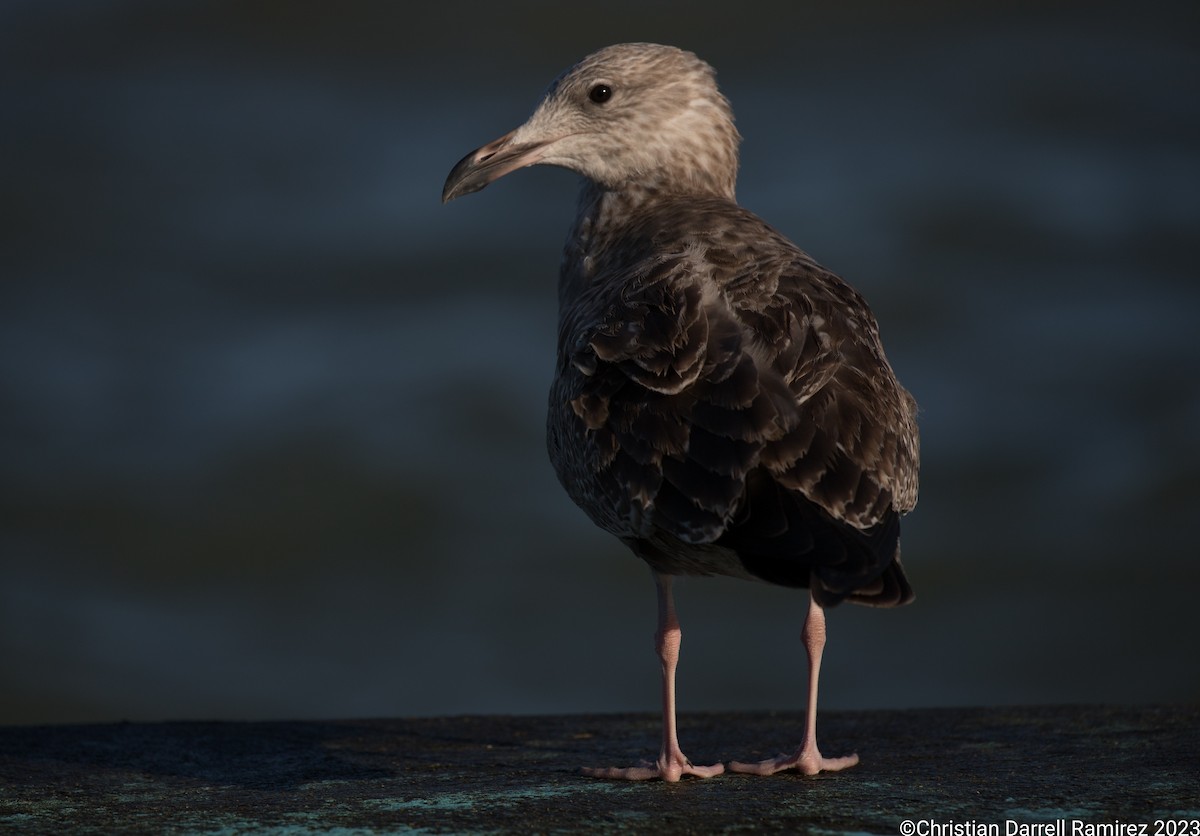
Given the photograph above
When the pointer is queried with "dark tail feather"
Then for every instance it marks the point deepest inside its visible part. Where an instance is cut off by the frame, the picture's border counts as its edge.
(891, 589)
(785, 539)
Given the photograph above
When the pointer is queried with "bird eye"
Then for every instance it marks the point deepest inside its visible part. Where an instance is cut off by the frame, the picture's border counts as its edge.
(600, 94)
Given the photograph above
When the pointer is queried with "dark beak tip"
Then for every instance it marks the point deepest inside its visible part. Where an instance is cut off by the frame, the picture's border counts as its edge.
(451, 191)
(486, 164)
(463, 179)
(457, 187)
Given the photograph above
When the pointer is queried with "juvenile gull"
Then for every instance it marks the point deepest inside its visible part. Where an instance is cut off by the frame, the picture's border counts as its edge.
(721, 402)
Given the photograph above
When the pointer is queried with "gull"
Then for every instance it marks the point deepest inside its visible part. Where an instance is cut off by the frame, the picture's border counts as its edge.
(721, 402)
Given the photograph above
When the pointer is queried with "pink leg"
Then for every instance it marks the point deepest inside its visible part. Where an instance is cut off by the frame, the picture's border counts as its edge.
(672, 764)
(807, 759)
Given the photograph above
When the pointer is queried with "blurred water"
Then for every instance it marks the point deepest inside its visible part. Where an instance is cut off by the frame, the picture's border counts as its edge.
(271, 418)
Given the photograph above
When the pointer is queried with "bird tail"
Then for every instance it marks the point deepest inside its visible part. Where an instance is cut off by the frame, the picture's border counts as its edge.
(890, 589)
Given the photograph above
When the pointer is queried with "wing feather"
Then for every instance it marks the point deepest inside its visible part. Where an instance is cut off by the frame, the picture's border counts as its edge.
(733, 397)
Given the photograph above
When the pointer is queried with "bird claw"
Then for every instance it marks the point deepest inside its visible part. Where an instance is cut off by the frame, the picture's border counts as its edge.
(805, 761)
(667, 769)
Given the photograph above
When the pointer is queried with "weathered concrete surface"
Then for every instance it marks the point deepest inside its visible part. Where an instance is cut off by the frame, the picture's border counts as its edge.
(519, 774)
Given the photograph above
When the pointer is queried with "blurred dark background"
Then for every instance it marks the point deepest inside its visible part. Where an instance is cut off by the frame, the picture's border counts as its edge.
(271, 417)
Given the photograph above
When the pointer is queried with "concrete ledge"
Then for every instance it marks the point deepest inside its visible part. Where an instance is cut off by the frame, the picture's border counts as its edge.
(975, 767)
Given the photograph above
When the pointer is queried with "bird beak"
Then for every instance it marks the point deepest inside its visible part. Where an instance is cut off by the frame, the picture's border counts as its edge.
(491, 162)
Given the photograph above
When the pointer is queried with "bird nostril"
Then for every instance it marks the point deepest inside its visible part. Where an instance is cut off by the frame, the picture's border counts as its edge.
(483, 158)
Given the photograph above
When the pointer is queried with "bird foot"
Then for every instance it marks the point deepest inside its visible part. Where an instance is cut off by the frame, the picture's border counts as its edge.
(806, 761)
(669, 769)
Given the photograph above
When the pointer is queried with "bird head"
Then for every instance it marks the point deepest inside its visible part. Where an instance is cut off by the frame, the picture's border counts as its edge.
(630, 113)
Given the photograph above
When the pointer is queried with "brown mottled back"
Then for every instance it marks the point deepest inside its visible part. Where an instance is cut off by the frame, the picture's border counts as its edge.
(723, 404)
